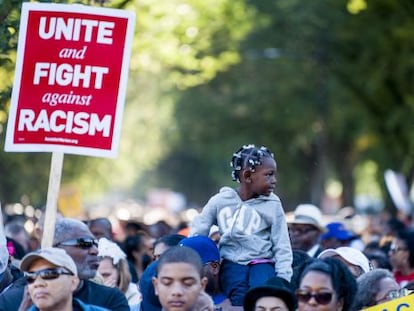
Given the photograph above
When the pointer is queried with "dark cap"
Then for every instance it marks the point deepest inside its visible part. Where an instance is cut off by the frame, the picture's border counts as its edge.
(274, 287)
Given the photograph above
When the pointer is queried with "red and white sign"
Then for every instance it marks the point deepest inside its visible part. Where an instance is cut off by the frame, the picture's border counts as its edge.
(70, 80)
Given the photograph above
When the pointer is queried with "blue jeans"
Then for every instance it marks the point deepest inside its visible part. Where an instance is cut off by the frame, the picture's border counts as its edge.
(236, 279)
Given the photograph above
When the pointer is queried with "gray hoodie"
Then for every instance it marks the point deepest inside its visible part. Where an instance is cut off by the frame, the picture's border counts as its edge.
(252, 229)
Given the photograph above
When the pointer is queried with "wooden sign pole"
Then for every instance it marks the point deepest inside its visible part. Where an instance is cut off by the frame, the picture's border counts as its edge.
(52, 199)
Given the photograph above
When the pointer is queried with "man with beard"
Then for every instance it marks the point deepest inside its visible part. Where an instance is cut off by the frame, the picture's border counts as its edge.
(77, 240)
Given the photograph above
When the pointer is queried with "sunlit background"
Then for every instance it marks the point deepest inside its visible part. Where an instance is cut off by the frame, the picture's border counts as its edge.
(326, 85)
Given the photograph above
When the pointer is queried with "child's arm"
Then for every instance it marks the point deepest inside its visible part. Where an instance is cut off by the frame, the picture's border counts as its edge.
(202, 223)
(282, 248)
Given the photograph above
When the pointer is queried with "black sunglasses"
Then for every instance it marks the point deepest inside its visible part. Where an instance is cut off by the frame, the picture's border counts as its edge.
(302, 230)
(321, 298)
(84, 243)
(45, 274)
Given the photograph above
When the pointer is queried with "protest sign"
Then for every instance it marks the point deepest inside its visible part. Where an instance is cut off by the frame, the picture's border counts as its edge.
(70, 79)
(398, 190)
(401, 304)
(69, 86)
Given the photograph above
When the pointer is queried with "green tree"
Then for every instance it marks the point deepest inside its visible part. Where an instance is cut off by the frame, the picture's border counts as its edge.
(177, 43)
(377, 47)
(324, 88)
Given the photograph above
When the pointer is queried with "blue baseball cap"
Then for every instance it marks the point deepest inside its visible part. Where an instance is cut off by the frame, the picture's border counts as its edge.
(338, 231)
(204, 246)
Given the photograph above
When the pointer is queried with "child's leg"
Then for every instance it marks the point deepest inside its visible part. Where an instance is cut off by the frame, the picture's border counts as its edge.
(233, 278)
(260, 273)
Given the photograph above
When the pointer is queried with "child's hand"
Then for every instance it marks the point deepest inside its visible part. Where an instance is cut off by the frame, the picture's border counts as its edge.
(110, 282)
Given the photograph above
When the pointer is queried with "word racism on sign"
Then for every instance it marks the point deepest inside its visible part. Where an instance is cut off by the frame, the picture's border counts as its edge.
(70, 81)
(401, 304)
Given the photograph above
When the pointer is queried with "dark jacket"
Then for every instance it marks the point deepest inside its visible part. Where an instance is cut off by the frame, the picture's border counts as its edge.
(77, 306)
(150, 301)
(10, 275)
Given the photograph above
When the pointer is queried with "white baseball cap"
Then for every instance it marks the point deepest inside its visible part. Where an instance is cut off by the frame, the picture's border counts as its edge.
(56, 256)
(350, 254)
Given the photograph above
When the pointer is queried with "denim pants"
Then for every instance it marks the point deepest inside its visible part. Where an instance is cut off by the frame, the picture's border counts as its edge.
(236, 279)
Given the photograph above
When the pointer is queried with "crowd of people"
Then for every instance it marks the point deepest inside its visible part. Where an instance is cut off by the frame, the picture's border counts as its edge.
(240, 253)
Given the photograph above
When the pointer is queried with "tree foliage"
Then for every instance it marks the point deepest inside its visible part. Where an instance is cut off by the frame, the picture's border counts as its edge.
(325, 84)
(177, 43)
(379, 75)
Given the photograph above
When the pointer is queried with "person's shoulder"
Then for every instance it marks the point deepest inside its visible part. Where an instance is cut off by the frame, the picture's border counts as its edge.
(146, 278)
(266, 201)
(15, 290)
(19, 282)
(225, 193)
(132, 294)
(273, 198)
(11, 298)
(103, 296)
(105, 290)
(150, 300)
(151, 269)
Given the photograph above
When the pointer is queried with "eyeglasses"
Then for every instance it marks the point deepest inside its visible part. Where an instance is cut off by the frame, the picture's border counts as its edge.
(397, 249)
(394, 294)
(302, 230)
(321, 298)
(45, 274)
(84, 243)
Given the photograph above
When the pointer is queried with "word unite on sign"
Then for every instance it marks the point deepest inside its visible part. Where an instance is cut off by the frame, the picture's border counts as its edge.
(76, 29)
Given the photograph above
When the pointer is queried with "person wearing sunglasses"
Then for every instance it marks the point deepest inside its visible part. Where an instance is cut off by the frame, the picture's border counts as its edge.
(51, 275)
(401, 256)
(376, 287)
(305, 229)
(326, 285)
(75, 238)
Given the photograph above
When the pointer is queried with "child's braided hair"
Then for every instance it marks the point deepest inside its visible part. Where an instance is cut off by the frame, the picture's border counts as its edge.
(248, 156)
